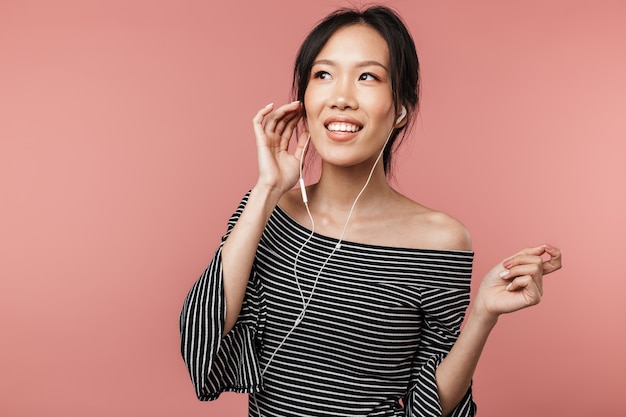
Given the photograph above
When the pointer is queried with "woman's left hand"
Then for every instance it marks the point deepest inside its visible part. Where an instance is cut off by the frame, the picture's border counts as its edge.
(517, 282)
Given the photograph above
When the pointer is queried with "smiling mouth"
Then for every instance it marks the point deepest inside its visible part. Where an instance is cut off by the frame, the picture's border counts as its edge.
(343, 127)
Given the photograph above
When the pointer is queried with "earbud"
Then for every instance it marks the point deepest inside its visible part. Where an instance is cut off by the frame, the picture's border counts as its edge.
(401, 115)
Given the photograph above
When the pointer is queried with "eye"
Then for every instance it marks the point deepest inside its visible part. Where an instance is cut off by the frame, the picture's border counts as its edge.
(367, 76)
(322, 75)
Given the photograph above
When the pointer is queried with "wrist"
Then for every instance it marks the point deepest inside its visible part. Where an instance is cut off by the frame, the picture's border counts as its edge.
(266, 196)
(482, 317)
(266, 192)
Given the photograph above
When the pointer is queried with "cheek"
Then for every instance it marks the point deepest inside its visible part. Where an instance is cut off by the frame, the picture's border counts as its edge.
(315, 97)
(382, 113)
(379, 103)
(309, 100)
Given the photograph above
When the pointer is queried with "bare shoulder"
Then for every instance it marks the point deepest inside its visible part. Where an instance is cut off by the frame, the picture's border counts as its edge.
(397, 221)
(448, 232)
(432, 229)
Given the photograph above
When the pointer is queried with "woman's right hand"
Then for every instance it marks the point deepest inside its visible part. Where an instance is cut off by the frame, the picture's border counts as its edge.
(278, 169)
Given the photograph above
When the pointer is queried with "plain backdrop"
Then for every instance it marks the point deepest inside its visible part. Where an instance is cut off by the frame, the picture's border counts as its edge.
(126, 143)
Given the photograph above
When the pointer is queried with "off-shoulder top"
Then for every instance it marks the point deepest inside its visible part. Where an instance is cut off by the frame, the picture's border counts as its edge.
(380, 321)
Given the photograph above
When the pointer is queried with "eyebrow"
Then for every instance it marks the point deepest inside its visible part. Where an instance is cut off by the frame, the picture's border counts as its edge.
(358, 65)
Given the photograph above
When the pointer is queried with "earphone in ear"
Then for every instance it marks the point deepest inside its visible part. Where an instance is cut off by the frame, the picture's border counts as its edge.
(401, 115)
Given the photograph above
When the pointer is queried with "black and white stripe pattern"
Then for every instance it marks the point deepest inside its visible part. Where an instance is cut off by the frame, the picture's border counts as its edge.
(379, 323)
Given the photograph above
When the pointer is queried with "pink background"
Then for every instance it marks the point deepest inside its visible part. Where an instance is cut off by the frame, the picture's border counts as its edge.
(126, 144)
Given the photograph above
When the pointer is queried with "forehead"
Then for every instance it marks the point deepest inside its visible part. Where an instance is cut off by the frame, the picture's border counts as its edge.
(355, 43)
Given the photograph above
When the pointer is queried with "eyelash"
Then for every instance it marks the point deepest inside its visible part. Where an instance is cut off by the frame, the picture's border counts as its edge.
(320, 74)
(368, 74)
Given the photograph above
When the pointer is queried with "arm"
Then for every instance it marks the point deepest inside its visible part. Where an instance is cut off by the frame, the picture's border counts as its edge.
(216, 300)
(515, 284)
(278, 172)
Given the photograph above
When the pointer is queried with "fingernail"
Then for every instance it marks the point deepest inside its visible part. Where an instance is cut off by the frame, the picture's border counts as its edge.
(504, 273)
(507, 263)
(297, 101)
(508, 287)
(270, 105)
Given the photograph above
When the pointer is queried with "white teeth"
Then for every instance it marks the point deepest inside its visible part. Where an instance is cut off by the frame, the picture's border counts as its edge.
(342, 127)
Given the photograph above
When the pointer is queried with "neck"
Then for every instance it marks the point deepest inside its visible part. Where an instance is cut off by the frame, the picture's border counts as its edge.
(338, 187)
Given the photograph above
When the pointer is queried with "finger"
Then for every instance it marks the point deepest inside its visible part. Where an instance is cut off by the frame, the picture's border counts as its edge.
(534, 271)
(286, 124)
(524, 269)
(555, 261)
(520, 282)
(257, 120)
(551, 265)
(291, 123)
(521, 259)
(535, 250)
(528, 285)
(278, 119)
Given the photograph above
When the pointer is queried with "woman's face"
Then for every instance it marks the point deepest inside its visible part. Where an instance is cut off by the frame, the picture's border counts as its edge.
(348, 100)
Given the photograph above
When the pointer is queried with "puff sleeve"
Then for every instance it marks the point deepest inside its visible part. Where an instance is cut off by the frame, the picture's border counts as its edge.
(215, 363)
(443, 311)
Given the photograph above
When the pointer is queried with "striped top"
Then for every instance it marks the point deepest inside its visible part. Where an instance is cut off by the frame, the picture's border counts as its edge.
(380, 321)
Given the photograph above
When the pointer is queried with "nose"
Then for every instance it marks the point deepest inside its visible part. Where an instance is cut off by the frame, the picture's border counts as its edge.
(343, 95)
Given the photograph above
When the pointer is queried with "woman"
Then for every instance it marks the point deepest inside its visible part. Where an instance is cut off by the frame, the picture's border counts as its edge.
(345, 297)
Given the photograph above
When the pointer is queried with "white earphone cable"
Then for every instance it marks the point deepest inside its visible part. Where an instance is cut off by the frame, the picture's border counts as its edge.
(305, 300)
